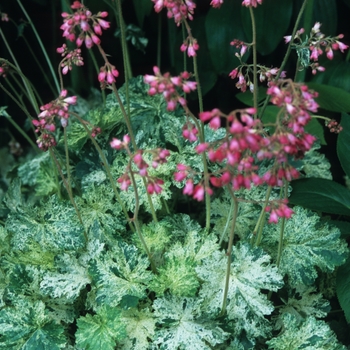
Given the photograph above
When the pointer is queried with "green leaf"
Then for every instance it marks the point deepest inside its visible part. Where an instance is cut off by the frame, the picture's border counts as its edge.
(272, 21)
(343, 288)
(304, 301)
(250, 273)
(178, 275)
(310, 334)
(54, 227)
(120, 272)
(307, 243)
(140, 329)
(220, 32)
(184, 327)
(101, 331)
(343, 144)
(331, 98)
(321, 195)
(26, 326)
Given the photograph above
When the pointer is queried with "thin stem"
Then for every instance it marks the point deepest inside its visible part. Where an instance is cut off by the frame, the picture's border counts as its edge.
(67, 159)
(41, 45)
(227, 222)
(58, 166)
(137, 224)
(286, 56)
(94, 61)
(283, 221)
(125, 56)
(260, 224)
(229, 253)
(126, 60)
(108, 171)
(159, 41)
(21, 131)
(255, 62)
(18, 104)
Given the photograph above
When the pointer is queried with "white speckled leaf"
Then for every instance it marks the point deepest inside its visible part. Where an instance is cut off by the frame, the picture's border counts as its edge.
(26, 326)
(140, 328)
(55, 227)
(101, 331)
(251, 272)
(307, 243)
(183, 326)
(120, 272)
(308, 335)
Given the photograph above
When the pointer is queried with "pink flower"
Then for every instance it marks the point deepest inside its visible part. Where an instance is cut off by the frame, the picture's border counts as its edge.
(198, 193)
(188, 189)
(216, 3)
(251, 3)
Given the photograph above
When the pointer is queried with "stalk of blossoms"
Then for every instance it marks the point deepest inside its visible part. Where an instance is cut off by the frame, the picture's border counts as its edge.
(229, 252)
(90, 28)
(255, 61)
(286, 56)
(108, 171)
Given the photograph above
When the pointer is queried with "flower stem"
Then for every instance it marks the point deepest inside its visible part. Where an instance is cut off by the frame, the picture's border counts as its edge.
(255, 62)
(21, 131)
(58, 166)
(229, 253)
(108, 171)
(286, 56)
(137, 224)
(41, 45)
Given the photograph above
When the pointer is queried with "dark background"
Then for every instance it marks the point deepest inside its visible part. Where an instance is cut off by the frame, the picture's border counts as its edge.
(46, 16)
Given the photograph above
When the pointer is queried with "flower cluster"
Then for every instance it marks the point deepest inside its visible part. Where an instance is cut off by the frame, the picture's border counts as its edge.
(279, 209)
(166, 85)
(244, 81)
(177, 9)
(89, 25)
(216, 3)
(70, 58)
(107, 75)
(4, 68)
(251, 3)
(46, 124)
(246, 144)
(334, 126)
(316, 43)
(191, 45)
(154, 185)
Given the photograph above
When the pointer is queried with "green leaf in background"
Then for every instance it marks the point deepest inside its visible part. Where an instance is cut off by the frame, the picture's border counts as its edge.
(101, 331)
(321, 195)
(343, 288)
(331, 98)
(142, 9)
(272, 21)
(343, 144)
(222, 26)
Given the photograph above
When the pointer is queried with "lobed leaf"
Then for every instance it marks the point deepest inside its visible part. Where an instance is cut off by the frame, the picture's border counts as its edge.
(101, 331)
(120, 272)
(251, 272)
(183, 326)
(26, 326)
(307, 244)
(309, 334)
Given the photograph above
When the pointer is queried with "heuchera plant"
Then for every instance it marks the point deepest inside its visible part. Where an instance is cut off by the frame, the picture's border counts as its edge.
(141, 224)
